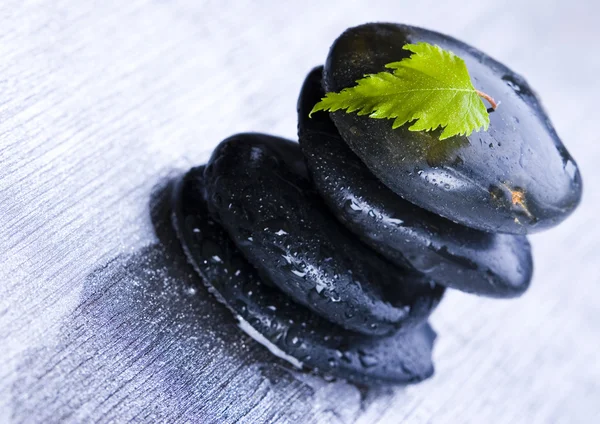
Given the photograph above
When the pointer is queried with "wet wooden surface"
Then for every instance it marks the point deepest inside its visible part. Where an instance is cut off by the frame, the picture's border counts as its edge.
(101, 320)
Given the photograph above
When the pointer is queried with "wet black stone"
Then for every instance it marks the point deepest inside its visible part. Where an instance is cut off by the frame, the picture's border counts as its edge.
(517, 177)
(470, 260)
(283, 228)
(404, 357)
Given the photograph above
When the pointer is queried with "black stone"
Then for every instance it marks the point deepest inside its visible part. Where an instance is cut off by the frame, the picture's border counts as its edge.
(517, 177)
(269, 209)
(404, 357)
(456, 256)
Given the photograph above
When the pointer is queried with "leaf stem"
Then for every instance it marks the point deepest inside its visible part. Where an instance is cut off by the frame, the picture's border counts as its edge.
(489, 98)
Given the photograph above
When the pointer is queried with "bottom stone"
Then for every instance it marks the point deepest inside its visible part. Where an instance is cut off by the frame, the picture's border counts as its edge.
(287, 329)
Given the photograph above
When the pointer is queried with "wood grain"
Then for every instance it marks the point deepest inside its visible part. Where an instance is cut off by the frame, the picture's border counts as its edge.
(100, 318)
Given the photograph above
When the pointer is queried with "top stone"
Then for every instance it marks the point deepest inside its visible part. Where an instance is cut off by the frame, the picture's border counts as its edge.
(516, 178)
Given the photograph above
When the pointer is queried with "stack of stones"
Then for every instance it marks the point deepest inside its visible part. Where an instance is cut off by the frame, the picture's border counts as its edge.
(334, 252)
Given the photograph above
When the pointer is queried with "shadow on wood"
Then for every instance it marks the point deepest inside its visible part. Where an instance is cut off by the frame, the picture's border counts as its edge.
(148, 342)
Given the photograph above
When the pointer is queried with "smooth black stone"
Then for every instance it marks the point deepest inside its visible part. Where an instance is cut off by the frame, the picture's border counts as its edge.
(404, 357)
(285, 230)
(517, 177)
(498, 265)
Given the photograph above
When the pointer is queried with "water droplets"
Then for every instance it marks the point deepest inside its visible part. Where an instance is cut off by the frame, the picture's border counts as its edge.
(445, 178)
(513, 83)
(346, 357)
(392, 221)
(300, 274)
(241, 306)
(320, 285)
(352, 207)
(212, 250)
(288, 258)
(570, 169)
(291, 339)
(520, 87)
(367, 360)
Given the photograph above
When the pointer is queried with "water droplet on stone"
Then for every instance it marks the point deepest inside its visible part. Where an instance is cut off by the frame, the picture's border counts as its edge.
(298, 273)
(367, 360)
(512, 83)
(571, 169)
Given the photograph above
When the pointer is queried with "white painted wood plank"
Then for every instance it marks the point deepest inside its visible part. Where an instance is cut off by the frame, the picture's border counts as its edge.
(101, 101)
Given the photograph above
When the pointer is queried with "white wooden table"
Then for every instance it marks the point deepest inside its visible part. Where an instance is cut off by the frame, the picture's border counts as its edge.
(102, 321)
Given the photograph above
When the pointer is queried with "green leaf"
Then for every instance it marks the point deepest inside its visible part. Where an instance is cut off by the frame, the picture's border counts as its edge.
(432, 88)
